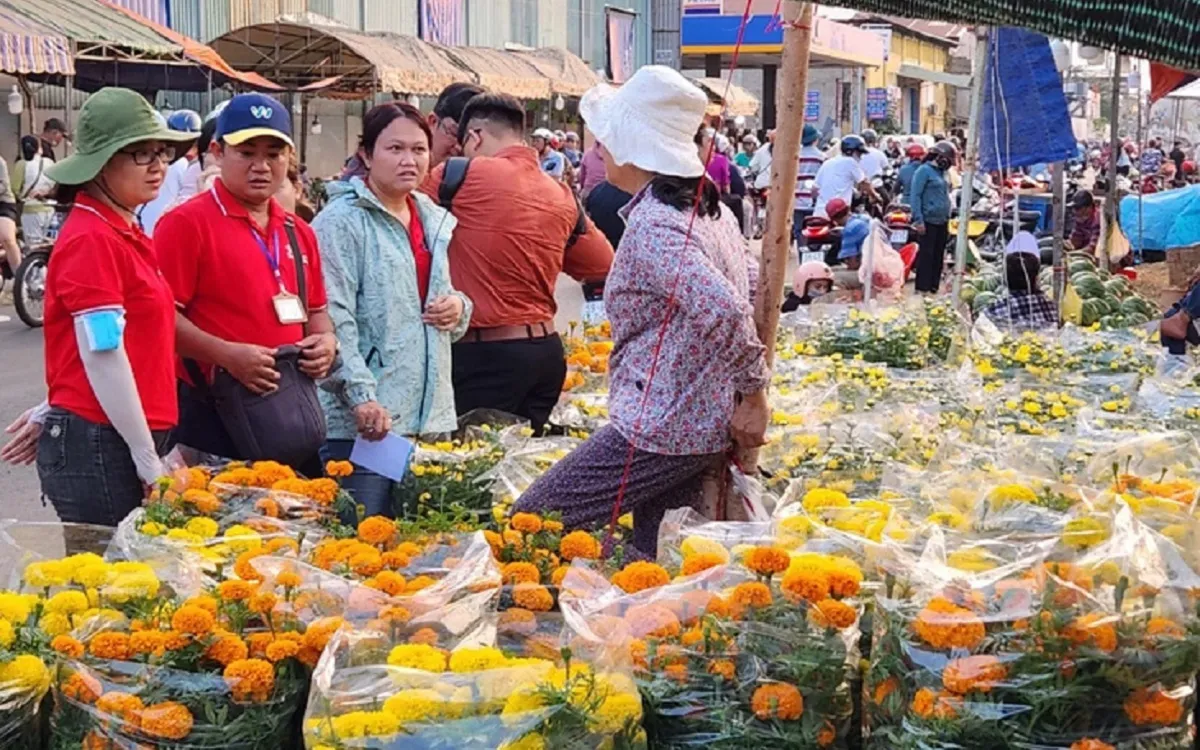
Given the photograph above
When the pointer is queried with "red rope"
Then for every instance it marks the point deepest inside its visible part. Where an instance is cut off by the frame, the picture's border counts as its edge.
(671, 299)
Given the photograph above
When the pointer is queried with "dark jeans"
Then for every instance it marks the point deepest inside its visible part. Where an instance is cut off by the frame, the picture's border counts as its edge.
(798, 217)
(370, 490)
(86, 470)
(1179, 346)
(931, 256)
(200, 428)
(522, 377)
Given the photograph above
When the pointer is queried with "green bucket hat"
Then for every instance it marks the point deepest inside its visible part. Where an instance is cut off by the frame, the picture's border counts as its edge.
(110, 119)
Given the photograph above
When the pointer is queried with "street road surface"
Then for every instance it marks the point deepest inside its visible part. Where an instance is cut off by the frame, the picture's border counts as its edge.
(22, 384)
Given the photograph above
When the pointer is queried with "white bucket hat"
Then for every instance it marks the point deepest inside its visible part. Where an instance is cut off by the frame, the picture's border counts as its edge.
(650, 121)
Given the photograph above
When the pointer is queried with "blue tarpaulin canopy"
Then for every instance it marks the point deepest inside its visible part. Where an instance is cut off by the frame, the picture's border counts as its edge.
(1024, 120)
(1169, 220)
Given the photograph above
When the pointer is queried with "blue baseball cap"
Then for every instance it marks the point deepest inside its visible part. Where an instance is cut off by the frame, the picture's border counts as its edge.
(857, 230)
(249, 116)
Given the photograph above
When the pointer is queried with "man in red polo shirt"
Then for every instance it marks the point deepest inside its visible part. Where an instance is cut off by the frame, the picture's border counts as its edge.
(515, 234)
(228, 258)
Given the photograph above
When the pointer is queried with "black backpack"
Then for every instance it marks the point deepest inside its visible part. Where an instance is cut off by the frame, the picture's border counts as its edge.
(456, 174)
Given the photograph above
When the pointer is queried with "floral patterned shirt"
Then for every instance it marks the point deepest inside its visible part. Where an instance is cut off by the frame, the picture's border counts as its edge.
(709, 349)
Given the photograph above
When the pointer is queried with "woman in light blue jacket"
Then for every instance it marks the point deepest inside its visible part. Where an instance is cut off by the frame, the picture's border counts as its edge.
(384, 250)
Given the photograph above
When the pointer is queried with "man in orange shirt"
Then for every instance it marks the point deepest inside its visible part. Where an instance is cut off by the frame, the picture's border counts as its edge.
(516, 232)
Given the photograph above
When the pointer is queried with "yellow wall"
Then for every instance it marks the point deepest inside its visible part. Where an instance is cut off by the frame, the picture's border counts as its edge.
(908, 49)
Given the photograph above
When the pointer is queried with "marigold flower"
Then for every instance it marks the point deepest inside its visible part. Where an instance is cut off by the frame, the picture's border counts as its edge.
(250, 680)
(423, 582)
(82, 687)
(559, 575)
(652, 621)
(425, 636)
(227, 648)
(205, 602)
(418, 656)
(805, 585)
(269, 507)
(282, 544)
(192, 620)
(338, 469)
(395, 614)
(579, 545)
(287, 580)
(376, 530)
(173, 640)
(639, 576)
(67, 646)
(693, 564)
(944, 625)
(147, 642)
(1161, 627)
(317, 636)
(826, 736)
(932, 705)
(322, 490)
(973, 674)
(752, 594)
(263, 603)
(169, 720)
(1091, 744)
(1094, 629)
(1145, 707)
(518, 621)
(243, 566)
(831, 613)
(777, 701)
(123, 706)
(235, 591)
(268, 473)
(533, 596)
(526, 523)
(110, 646)
(551, 526)
(676, 673)
(723, 668)
(415, 705)
(845, 577)
(520, 572)
(767, 561)
(884, 689)
(389, 582)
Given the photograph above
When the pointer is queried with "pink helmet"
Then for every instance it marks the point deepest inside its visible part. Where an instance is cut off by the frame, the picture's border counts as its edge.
(814, 270)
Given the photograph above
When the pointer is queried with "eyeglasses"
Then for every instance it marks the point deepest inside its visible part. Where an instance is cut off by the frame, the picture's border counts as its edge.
(145, 155)
(448, 126)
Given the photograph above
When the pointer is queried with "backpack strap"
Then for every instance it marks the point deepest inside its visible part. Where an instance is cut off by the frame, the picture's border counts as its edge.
(289, 227)
(453, 178)
(580, 223)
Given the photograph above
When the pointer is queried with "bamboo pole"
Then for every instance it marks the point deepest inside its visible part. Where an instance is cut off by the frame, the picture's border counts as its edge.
(966, 196)
(785, 164)
(1059, 170)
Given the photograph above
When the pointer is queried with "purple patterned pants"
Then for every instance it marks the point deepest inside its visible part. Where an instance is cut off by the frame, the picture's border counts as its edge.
(583, 486)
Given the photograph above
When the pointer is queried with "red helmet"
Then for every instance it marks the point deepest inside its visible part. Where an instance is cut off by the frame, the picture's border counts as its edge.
(836, 207)
(915, 151)
(1189, 167)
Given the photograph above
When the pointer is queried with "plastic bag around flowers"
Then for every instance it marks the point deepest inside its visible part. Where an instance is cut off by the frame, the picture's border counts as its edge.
(748, 647)
(126, 705)
(896, 335)
(411, 687)
(1004, 642)
(522, 466)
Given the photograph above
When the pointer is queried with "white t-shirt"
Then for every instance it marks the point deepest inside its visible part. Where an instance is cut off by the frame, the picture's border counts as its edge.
(837, 178)
(811, 159)
(873, 162)
(760, 165)
(172, 183)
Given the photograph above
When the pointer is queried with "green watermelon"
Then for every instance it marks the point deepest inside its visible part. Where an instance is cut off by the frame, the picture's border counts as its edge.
(968, 294)
(988, 282)
(1088, 285)
(1081, 266)
(1092, 311)
(1117, 286)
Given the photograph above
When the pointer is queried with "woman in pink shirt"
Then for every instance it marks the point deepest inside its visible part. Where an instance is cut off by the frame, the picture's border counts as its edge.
(718, 163)
(591, 170)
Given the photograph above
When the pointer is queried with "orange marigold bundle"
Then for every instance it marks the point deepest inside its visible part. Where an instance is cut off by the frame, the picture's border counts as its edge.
(250, 680)
(766, 561)
(943, 624)
(777, 701)
(973, 674)
(579, 545)
(1152, 707)
(640, 576)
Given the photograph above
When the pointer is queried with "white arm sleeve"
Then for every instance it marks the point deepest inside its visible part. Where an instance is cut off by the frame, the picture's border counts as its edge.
(111, 378)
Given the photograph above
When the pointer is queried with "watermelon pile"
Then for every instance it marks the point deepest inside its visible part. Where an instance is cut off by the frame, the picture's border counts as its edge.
(1103, 298)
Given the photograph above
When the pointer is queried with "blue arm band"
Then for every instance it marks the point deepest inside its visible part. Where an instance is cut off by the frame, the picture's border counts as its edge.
(104, 329)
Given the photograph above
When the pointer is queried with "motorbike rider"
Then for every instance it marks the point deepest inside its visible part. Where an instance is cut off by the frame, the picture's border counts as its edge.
(813, 279)
(873, 161)
(843, 176)
(892, 150)
(858, 228)
(811, 159)
(916, 157)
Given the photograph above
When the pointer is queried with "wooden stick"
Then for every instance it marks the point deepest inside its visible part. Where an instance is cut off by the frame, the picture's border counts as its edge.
(790, 93)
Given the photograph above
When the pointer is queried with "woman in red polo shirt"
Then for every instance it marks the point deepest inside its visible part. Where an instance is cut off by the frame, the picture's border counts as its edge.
(110, 319)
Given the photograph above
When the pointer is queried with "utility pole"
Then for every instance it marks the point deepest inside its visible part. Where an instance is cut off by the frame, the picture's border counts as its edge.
(791, 88)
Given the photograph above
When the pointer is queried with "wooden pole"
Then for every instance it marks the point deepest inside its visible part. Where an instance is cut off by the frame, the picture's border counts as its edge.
(785, 164)
(1058, 172)
(1110, 198)
(970, 163)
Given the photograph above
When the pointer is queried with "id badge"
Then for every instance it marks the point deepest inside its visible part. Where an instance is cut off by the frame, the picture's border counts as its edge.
(288, 309)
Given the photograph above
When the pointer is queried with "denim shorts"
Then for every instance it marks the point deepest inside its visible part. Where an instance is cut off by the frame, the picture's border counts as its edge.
(86, 470)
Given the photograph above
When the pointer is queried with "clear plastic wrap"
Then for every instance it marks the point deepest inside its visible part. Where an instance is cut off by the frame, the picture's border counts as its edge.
(895, 335)
(749, 646)
(451, 476)
(1041, 645)
(522, 466)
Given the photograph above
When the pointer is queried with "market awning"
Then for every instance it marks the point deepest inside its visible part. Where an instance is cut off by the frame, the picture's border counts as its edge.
(501, 71)
(728, 97)
(934, 76)
(1162, 30)
(569, 75)
(298, 55)
(30, 48)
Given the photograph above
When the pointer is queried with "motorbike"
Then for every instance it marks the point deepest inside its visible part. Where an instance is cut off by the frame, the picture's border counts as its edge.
(29, 278)
(822, 240)
(898, 221)
(758, 214)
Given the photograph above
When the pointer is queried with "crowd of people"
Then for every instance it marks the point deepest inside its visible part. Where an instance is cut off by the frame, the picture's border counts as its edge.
(189, 302)
(193, 299)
